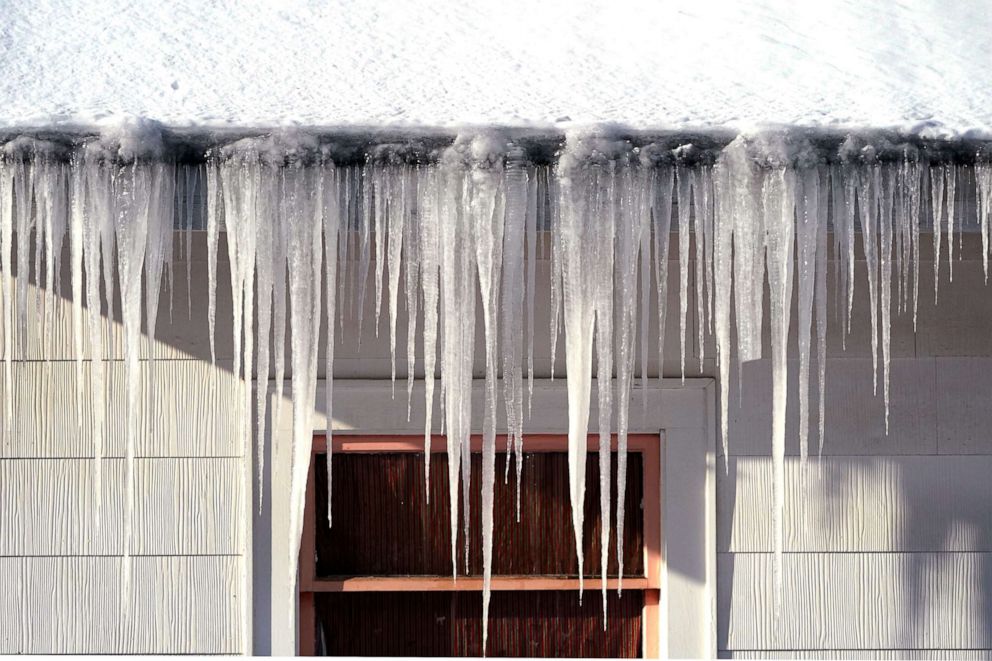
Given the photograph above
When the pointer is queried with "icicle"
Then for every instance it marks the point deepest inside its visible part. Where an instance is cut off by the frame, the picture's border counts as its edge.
(265, 231)
(398, 208)
(749, 259)
(644, 217)
(937, 205)
(778, 196)
(585, 240)
(807, 231)
(430, 262)
(214, 209)
(384, 198)
(518, 190)
(820, 296)
(364, 241)
(77, 224)
(983, 205)
(458, 279)
(732, 171)
(302, 226)
(701, 184)
(630, 227)
(91, 168)
(329, 211)
(486, 205)
(411, 252)
(531, 232)
(868, 192)
(683, 182)
(660, 186)
(950, 177)
(885, 263)
(603, 210)
(24, 224)
(843, 185)
(553, 188)
(7, 251)
(915, 201)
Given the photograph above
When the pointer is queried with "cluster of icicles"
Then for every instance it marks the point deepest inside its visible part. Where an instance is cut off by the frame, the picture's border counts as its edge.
(465, 226)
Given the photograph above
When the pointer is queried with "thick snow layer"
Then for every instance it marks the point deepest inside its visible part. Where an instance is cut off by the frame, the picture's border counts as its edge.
(919, 65)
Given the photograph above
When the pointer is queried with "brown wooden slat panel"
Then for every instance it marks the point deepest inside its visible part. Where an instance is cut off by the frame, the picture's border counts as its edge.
(383, 526)
(528, 624)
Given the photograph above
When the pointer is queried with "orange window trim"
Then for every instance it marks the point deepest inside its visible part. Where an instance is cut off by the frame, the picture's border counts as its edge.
(647, 444)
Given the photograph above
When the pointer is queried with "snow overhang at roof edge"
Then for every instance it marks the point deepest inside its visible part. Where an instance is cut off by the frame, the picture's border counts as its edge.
(350, 146)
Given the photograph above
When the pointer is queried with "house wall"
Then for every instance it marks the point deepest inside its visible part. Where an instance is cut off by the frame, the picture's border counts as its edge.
(60, 573)
(887, 536)
(888, 539)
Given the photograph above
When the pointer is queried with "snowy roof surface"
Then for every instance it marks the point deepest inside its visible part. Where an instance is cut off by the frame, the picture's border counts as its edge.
(921, 66)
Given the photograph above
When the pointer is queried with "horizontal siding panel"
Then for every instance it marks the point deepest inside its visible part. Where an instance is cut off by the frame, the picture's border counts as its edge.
(867, 655)
(181, 507)
(855, 417)
(922, 503)
(957, 325)
(852, 601)
(198, 414)
(964, 417)
(72, 605)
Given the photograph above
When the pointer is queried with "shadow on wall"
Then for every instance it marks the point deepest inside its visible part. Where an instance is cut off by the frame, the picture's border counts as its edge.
(881, 553)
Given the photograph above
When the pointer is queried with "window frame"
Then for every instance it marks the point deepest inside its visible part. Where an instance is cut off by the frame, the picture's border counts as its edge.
(649, 445)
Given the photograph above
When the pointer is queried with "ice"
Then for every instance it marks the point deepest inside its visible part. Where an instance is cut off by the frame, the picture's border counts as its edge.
(868, 202)
(458, 277)
(732, 168)
(778, 194)
(430, 261)
(411, 282)
(604, 198)
(937, 207)
(950, 178)
(328, 209)
(7, 251)
(579, 236)
(820, 301)
(398, 192)
(91, 217)
(983, 185)
(460, 231)
(749, 257)
(701, 188)
(807, 235)
(518, 195)
(364, 241)
(660, 183)
(885, 280)
(533, 200)
(630, 226)
(301, 225)
(265, 265)
(214, 211)
(683, 182)
(486, 205)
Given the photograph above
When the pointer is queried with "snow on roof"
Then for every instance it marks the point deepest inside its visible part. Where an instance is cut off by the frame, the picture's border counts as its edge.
(919, 66)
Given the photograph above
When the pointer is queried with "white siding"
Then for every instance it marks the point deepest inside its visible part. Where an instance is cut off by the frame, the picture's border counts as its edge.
(60, 574)
(888, 537)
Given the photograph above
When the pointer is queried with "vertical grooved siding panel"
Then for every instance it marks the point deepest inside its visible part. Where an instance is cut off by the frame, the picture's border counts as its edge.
(184, 507)
(195, 414)
(895, 655)
(72, 605)
(852, 601)
(845, 504)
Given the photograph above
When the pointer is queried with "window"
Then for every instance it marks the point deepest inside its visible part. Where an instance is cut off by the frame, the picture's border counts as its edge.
(379, 582)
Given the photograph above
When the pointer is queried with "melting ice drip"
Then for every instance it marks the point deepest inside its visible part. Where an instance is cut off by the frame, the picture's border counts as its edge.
(463, 227)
